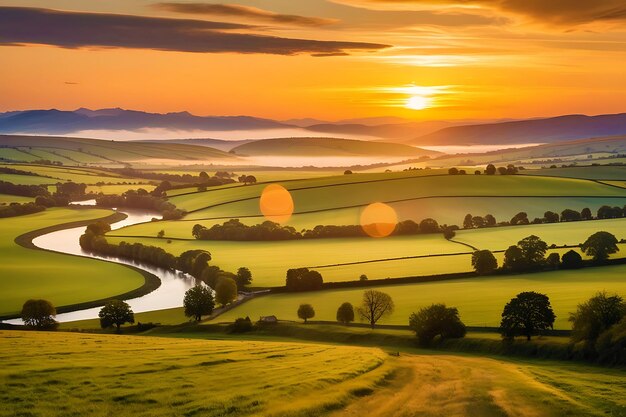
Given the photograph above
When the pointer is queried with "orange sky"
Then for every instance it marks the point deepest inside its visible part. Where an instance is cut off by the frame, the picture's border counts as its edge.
(463, 59)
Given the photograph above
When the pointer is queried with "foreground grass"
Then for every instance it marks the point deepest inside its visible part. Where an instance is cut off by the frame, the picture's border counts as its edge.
(62, 279)
(154, 376)
(103, 375)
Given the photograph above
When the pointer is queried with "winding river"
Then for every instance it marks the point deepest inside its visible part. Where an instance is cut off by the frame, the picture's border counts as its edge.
(173, 283)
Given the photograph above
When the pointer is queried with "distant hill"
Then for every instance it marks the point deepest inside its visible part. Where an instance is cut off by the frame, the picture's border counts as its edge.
(221, 144)
(611, 145)
(397, 131)
(63, 122)
(554, 129)
(94, 151)
(327, 147)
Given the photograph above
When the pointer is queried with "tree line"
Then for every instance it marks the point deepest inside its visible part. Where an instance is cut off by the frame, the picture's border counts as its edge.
(530, 255)
(141, 199)
(234, 229)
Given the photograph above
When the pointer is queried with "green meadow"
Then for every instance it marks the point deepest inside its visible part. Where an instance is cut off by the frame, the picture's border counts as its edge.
(103, 375)
(62, 279)
(480, 300)
(564, 233)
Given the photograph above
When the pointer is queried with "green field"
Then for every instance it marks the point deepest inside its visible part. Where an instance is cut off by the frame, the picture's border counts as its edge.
(51, 175)
(601, 172)
(103, 375)
(565, 233)
(269, 261)
(123, 375)
(480, 300)
(8, 199)
(414, 195)
(69, 150)
(62, 279)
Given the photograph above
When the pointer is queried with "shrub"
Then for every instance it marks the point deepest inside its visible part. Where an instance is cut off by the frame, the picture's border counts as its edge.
(436, 321)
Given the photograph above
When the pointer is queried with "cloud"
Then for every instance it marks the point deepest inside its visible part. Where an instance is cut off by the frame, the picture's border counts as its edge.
(563, 12)
(20, 25)
(243, 11)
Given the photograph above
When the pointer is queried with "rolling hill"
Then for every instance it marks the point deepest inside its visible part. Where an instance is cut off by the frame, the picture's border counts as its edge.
(327, 147)
(610, 146)
(71, 151)
(63, 122)
(554, 129)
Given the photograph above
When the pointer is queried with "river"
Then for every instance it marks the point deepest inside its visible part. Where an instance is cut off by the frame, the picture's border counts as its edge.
(173, 283)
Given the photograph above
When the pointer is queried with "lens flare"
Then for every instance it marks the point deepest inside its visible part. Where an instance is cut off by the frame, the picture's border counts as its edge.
(379, 220)
(276, 203)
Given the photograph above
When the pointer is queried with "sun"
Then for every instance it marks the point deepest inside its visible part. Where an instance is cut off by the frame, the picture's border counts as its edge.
(417, 102)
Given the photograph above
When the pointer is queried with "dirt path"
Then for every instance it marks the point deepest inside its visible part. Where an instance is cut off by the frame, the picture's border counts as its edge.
(454, 386)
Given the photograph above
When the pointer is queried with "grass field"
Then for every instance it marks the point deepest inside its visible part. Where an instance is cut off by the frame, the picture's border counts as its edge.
(81, 150)
(124, 375)
(566, 233)
(153, 376)
(52, 175)
(269, 261)
(480, 300)
(62, 279)
(600, 172)
(7, 199)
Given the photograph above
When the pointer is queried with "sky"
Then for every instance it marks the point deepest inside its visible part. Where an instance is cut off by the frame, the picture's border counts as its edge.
(324, 59)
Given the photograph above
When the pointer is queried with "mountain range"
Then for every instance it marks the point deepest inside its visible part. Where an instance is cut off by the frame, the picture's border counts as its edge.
(416, 133)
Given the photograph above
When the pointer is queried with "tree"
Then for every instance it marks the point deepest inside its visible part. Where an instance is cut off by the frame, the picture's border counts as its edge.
(478, 222)
(198, 302)
(585, 214)
(347, 172)
(569, 215)
(161, 234)
(345, 313)
(225, 290)
(571, 260)
(436, 320)
(551, 217)
(374, 306)
(453, 171)
(513, 259)
(467, 222)
(250, 179)
(526, 314)
(303, 279)
(596, 315)
(533, 250)
(553, 260)
(490, 221)
(490, 170)
(520, 218)
(115, 313)
(600, 245)
(363, 277)
(244, 277)
(484, 262)
(39, 314)
(502, 170)
(429, 226)
(305, 312)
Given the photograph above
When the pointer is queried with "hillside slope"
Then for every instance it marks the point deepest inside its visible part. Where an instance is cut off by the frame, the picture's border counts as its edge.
(327, 147)
(552, 129)
(79, 150)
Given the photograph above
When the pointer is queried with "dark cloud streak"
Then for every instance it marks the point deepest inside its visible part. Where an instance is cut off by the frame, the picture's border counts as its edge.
(563, 12)
(20, 25)
(242, 11)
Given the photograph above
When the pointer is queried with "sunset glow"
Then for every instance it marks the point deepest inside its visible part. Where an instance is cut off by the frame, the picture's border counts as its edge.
(503, 61)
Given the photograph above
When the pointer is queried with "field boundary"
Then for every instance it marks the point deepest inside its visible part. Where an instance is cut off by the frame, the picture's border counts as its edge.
(151, 281)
